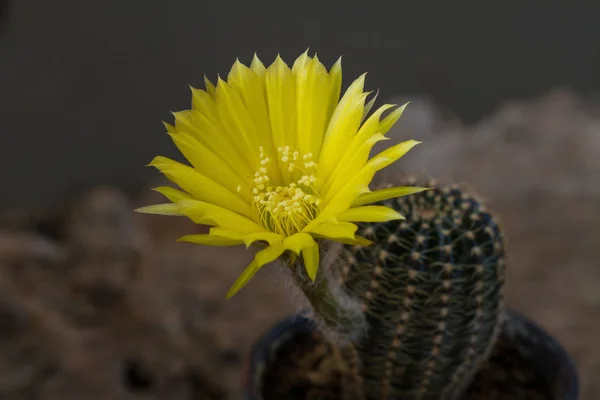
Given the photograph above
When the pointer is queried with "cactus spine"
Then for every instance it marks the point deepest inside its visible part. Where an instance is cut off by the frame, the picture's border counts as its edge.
(431, 294)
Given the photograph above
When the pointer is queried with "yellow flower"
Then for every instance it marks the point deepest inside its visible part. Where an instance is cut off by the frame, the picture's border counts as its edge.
(278, 158)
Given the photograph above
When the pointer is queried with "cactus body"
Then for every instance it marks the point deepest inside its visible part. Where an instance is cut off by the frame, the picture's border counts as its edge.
(431, 287)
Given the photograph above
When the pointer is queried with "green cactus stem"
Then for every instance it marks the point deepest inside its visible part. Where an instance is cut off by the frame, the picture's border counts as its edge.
(431, 291)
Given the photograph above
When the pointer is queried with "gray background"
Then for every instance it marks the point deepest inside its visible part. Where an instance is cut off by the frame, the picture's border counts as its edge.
(84, 85)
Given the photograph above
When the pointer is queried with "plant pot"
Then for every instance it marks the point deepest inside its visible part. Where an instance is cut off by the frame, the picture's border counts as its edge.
(292, 361)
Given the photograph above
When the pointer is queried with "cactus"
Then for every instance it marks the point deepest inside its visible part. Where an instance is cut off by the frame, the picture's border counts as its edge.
(431, 294)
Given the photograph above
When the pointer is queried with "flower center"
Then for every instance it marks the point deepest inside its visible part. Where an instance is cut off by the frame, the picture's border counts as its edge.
(286, 208)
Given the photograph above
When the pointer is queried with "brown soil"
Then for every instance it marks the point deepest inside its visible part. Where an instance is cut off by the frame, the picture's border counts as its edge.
(100, 303)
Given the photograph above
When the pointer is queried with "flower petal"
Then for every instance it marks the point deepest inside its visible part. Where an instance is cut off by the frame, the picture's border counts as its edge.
(248, 238)
(161, 209)
(370, 105)
(357, 241)
(237, 121)
(263, 257)
(281, 100)
(300, 62)
(358, 184)
(334, 230)
(342, 233)
(303, 243)
(210, 87)
(252, 91)
(312, 96)
(370, 214)
(358, 152)
(200, 186)
(351, 165)
(370, 127)
(281, 97)
(172, 194)
(206, 127)
(210, 214)
(385, 194)
(390, 155)
(259, 68)
(170, 128)
(335, 87)
(389, 121)
(208, 163)
(344, 124)
(209, 240)
(204, 102)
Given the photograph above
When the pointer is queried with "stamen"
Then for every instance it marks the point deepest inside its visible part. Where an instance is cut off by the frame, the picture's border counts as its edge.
(286, 207)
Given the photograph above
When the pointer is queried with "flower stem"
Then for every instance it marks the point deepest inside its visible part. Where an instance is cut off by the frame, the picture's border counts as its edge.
(338, 312)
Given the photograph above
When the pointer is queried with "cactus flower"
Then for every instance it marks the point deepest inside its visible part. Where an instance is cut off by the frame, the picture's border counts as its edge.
(278, 159)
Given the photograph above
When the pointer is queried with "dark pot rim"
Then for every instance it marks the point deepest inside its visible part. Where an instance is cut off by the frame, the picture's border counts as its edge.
(546, 354)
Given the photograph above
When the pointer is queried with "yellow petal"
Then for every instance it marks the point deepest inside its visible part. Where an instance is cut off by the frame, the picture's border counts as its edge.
(281, 97)
(343, 125)
(385, 194)
(335, 87)
(300, 63)
(200, 186)
(209, 163)
(281, 100)
(357, 241)
(350, 166)
(172, 194)
(170, 128)
(263, 257)
(370, 105)
(210, 214)
(390, 155)
(207, 128)
(209, 240)
(370, 127)
(370, 214)
(303, 243)
(160, 209)
(210, 88)
(312, 95)
(358, 184)
(358, 152)
(389, 121)
(237, 121)
(203, 102)
(258, 67)
(248, 238)
(334, 230)
(251, 89)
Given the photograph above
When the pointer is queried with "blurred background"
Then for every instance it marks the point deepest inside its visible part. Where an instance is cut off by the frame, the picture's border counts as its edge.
(98, 303)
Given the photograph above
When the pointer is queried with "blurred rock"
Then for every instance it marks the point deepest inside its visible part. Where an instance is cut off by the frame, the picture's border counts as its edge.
(31, 344)
(99, 302)
(547, 146)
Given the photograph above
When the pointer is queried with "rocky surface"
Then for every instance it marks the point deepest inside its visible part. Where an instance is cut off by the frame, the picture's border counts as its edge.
(97, 302)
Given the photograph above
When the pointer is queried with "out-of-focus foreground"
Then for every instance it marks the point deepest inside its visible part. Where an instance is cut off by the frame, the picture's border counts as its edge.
(97, 302)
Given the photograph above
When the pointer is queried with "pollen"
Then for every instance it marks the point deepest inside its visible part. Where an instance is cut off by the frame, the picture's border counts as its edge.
(286, 207)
